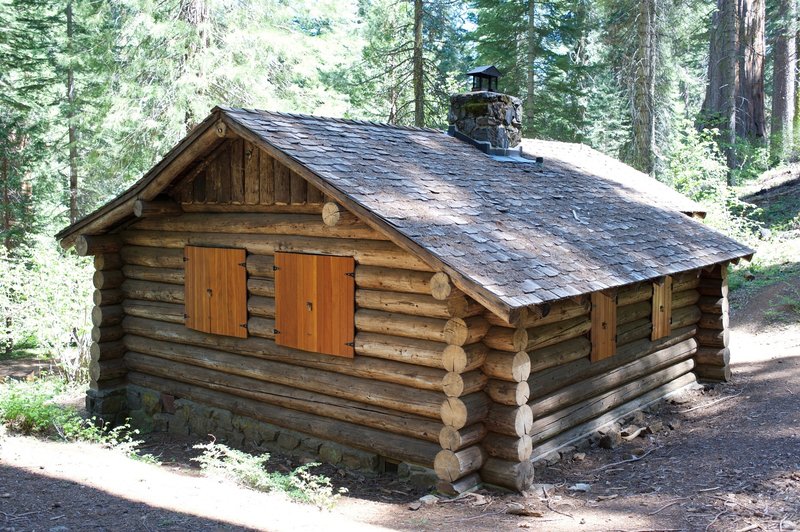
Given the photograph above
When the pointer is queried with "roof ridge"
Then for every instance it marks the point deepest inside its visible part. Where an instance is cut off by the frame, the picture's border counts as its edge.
(352, 121)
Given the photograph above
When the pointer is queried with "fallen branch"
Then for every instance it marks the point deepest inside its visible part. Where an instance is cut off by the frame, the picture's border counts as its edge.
(712, 403)
(676, 501)
(715, 519)
(629, 460)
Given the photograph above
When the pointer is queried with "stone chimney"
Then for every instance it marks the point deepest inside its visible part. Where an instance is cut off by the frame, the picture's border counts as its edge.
(488, 119)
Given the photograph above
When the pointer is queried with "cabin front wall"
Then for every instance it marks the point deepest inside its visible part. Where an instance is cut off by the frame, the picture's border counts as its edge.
(436, 379)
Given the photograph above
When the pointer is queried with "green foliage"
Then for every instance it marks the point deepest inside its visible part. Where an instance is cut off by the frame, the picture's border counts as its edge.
(45, 297)
(250, 471)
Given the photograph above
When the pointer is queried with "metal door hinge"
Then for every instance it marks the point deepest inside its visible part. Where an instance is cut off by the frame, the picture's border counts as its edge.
(275, 331)
(186, 316)
(243, 325)
(243, 264)
(351, 274)
(275, 268)
(350, 344)
(185, 259)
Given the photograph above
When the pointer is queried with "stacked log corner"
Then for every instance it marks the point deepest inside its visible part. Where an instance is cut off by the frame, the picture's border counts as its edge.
(105, 397)
(712, 361)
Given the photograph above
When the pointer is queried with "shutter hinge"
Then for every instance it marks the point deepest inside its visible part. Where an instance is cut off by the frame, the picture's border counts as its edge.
(185, 259)
(243, 264)
(186, 316)
(275, 268)
(351, 274)
(670, 320)
(243, 325)
(275, 331)
(350, 344)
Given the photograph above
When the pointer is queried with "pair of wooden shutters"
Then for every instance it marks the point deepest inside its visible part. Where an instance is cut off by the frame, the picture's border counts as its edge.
(215, 290)
(315, 303)
(604, 319)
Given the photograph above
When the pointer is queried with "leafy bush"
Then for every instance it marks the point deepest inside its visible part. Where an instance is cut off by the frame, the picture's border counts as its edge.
(45, 297)
(250, 471)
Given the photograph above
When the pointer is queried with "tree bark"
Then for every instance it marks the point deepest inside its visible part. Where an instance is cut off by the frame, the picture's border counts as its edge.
(729, 80)
(750, 119)
(783, 95)
(644, 86)
(71, 127)
(529, 70)
(419, 85)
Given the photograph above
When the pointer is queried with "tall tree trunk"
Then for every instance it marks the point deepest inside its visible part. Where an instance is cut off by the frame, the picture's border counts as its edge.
(796, 118)
(751, 119)
(783, 94)
(197, 14)
(530, 78)
(419, 82)
(8, 340)
(729, 28)
(71, 127)
(644, 87)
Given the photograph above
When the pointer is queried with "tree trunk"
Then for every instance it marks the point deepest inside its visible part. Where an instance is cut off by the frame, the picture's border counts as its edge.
(8, 342)
(644, 86)
(783, 95)
(419, 86)
(72, 129)
(529, 70)
(750, 113)
(729, 29)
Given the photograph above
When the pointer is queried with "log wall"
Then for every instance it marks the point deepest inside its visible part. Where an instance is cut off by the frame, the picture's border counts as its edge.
(546, 392)
(712, 361)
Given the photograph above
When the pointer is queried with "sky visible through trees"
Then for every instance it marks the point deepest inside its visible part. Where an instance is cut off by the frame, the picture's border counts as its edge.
(93, 92)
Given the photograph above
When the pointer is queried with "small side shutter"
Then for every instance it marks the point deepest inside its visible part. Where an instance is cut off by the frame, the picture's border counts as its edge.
(215, 298)
(604, 326)
(315, 303)
(662, 308)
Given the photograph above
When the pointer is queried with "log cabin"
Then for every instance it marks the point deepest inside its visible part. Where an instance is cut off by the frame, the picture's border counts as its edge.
(466, 301)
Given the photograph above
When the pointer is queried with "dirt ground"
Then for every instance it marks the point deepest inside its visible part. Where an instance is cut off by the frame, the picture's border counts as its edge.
(723, 457)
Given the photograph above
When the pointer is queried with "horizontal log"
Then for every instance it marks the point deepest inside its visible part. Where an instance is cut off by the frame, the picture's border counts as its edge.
(460, 384)
(261, 327)
(441, 286)
(564, 419)
(713, 287)
(613, 378)
(152, 291)
(409, 350)
(634, 293)
(278, 379)
(107, 279)
(154, 310)
(500, 338)
(106, 315)
(261, 287)
(107, 350)
(111, 296)
(456, 331)
(508, 393)
(380, 370)
(459, 412)
(368, 252)
(107, 334)
(312, 208)
(261, 266)
(453, 465)
(517, 476)
(713, 338)
(512, 367)
(685, 280)
(512, 448)
(393, 279)
(159, 275)
(684, 298)
(454, 439)
(97, 244)
(547, 381)
(460, 359)
(262, 307)
(458, 306)
(395, 446)
(583, 430)
(105, 370)
(713, 373)
(538, 337)
(155, 208)
(107, 261)
(462, 485)
(633, 312)
(153, 257)
(639, 329)
(258, 224)
(334, 214)
(563, 310)
(509, 420)
(713, 356)
(560, 353)
(713, 305)
(714, 321)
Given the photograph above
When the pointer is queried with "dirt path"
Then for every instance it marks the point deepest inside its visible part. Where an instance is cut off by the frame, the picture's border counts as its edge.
(724, 458)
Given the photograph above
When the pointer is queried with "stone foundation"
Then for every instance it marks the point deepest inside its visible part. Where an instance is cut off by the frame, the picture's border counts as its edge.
(487, 117)
(109, 405)
(152, 411)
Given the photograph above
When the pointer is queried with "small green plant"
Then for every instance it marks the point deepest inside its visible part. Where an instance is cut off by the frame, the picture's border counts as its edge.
(250, 471)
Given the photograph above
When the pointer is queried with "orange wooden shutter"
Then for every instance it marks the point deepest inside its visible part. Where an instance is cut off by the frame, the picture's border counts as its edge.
(315, 303)
(604, 326)
(215, 299)
(662, 308)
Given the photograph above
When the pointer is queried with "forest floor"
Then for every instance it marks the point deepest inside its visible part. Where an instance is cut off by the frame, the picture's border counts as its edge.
(720, 457)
